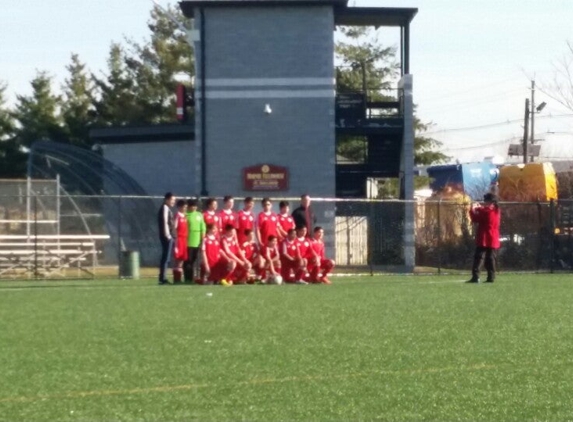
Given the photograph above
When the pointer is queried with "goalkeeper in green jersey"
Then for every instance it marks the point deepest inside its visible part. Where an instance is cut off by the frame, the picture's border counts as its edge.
(196, 225)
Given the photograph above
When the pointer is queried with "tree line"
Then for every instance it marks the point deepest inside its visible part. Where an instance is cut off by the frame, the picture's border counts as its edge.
(138, 88)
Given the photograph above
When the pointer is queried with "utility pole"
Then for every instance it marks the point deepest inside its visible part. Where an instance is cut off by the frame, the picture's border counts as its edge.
(363, 69)
(525, 131)
(532, 116)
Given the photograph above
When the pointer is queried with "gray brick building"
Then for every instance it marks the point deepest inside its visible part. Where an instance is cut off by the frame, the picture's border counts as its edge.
(267, 74)
(265, 94)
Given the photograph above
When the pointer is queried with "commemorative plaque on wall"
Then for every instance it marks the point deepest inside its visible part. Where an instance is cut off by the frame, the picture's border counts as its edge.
(265, 177)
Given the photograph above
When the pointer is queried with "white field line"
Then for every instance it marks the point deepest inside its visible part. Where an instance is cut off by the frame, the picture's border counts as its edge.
(408, 280)
(255, 381)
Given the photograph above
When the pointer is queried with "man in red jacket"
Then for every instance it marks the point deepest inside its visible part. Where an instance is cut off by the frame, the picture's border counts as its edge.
(487, 218)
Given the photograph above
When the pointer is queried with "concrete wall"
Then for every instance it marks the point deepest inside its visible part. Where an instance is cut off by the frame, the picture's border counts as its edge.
(407, 172)
(158, 167)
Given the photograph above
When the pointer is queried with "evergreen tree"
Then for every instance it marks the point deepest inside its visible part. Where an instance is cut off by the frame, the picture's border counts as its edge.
(38, 115)
(6, 119)
(116, 102)
(158, 64)
(77, 105)
(141, 81)
(364, 64)
(12, 158)
(367, 66)
(426, 149)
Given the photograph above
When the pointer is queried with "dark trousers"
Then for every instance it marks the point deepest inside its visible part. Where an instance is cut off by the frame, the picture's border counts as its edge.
(189, 265)
(489, 256)
(166, 248)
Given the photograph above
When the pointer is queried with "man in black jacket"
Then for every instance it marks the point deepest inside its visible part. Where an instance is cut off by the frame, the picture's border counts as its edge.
(303, 216)
(165, 226)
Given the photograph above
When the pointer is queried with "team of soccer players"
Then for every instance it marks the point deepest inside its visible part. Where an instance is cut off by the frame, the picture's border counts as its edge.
(241, 248)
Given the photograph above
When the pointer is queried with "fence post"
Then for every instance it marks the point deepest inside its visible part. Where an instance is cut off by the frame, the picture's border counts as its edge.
(36, 273)
(119, 222)
(28, 193)
(540, 224)
(439, 237)
(552, 237)
(348, 249)
(370, 235)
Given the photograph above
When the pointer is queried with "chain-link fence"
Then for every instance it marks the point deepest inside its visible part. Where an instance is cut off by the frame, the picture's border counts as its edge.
(534, 236)
(48, 234)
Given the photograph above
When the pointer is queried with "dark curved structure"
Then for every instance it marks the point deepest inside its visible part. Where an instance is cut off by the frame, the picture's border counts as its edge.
(98, 198)
(81, 171)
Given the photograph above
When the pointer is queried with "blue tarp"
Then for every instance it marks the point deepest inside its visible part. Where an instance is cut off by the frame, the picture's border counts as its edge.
(473, 179)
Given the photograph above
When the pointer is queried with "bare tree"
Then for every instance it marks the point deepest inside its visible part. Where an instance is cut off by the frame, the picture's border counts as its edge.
(560, 88)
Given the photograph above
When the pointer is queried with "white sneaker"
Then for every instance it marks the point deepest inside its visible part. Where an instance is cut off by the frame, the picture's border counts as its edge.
(300, 282)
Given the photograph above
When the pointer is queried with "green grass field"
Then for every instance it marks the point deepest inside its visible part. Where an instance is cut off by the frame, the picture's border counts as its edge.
(384, 347)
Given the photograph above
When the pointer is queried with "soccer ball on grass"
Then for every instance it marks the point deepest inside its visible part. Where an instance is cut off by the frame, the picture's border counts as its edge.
(275, 279)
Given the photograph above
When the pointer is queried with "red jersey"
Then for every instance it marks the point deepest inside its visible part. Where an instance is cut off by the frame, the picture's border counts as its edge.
(211, 217)
(270, 253)
(181, 234)
(487, 219)
(318, 247)
(245, 221)
(212, 249)
(286, 222)
(303, 244)
(181, 229)
(267, 224)
(289, 248)
(227, 217)
(250, 250)
(229, 244)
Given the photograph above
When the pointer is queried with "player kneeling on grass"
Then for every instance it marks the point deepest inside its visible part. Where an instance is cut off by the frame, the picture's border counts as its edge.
(251, 252)
(303, 244)
(318, 265)
(213, 266)
(271, 262)
(180, 241)
(293, 264)
(238, 266)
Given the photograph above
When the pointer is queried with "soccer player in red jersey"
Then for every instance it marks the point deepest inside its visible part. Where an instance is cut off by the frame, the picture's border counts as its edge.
(267, 222)
(293, 266)
(227, 215)
(303, 244)
(237, 265)
(251, 252)
(270, 258)
(318, 265)
(245, 219)
(210, 215)
(286, 222)
(213, 266)
(180, 242)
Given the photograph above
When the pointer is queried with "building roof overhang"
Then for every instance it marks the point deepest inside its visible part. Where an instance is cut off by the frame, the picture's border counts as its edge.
(343, 15)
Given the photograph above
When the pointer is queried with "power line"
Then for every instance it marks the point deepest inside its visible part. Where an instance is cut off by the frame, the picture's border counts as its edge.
(475, 88)
(488, 97)
(489, 144)
(468, 128)
(472, 103)
(490, 125)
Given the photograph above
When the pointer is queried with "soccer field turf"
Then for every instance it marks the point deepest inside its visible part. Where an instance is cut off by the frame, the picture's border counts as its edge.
(383, 347)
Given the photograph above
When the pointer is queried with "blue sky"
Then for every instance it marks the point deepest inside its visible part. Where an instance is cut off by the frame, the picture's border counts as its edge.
(472, 61)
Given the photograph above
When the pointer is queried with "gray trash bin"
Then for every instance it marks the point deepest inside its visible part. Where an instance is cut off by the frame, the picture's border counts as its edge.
(129, 265)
